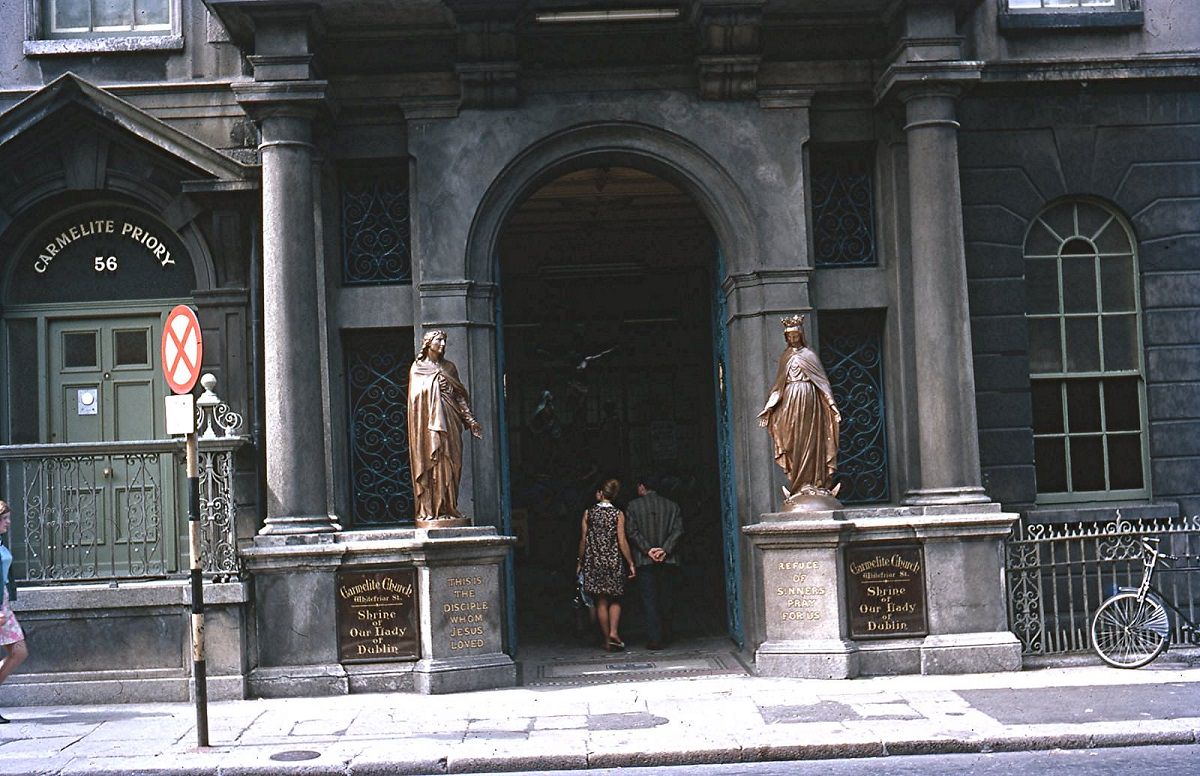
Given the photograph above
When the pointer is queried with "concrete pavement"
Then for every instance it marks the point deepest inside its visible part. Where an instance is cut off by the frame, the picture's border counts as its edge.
(723, 718)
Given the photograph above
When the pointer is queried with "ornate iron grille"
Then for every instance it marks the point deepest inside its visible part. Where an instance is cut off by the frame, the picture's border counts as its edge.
(375, 228)
(1058, 574)
(852, 353)
(843, 209)
(377, 374)
(110, 510)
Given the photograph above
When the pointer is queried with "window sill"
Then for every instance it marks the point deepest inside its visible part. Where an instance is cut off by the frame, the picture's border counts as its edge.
(113, 45)
(1036, 21)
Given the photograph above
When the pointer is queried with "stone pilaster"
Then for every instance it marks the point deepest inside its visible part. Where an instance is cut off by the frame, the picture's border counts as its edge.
(948, 444)
(297, 495)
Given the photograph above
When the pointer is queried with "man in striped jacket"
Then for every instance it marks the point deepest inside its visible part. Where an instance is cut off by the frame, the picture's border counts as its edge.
(654, 528)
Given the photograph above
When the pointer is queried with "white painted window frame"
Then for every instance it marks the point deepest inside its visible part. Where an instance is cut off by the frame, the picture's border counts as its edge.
(41, 41)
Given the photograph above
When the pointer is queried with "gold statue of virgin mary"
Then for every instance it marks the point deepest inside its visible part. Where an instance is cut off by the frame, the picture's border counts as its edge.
(803, 421)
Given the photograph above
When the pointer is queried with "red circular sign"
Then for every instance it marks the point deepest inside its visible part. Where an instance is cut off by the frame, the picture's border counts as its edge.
(182, 350)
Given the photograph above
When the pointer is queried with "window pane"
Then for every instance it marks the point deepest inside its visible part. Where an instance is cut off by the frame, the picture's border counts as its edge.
(1122, 406)
(79, 349)
(1045, 347)
(1087, 463)
(1041, 241)
(1061, 221)
(1092, 219)
(1116, 283)
(113, 13)
(72, 15)
(1120, 342)
(1125, 461)
(1041, 286)
(153, 12)
(1083, 345)
(131, 348)
(1079, 284)
(1047, 407)
(1114, 239)
(1051, 462)
(1083, 405)
(1024, 3)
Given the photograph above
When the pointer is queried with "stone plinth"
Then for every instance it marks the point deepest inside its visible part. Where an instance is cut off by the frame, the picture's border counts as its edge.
(802, 592)
(459, 601)
(461, 604)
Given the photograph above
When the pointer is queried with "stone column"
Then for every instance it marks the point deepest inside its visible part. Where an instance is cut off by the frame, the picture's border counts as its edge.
(297, 499)
(945, 381)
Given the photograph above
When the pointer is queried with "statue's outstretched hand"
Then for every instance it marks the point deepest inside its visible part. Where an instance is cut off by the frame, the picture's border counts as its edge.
(477, 431)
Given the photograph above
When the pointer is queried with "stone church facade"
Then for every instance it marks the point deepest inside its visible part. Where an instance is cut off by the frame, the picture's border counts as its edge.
(987, 209)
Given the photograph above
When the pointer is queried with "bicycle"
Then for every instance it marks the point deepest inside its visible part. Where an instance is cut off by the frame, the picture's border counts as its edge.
(1131, 628)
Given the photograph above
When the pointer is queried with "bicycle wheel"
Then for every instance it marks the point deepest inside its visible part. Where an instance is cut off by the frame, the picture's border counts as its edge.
(1128, 632)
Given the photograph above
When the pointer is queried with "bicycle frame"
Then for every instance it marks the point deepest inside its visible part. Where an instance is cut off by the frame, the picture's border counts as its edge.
(1150, 560)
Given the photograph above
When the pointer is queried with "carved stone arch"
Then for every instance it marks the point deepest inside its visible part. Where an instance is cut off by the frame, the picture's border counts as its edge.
(641, 146)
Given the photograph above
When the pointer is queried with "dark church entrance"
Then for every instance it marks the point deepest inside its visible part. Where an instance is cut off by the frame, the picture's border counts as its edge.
(607, 276)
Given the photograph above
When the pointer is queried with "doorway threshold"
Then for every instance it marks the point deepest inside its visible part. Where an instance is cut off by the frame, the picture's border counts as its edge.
(572, 665)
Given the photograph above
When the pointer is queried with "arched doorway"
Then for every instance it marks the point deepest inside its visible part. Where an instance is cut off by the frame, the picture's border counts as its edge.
(607, 278)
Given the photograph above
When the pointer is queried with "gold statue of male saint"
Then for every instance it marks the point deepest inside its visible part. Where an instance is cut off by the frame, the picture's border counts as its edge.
(803, 421)
(437, 412)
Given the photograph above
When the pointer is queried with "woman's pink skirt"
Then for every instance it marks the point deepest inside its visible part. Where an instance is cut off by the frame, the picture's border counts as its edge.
(10, 629)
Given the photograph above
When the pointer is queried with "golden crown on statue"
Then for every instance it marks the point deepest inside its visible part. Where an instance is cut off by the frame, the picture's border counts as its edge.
(793, 323)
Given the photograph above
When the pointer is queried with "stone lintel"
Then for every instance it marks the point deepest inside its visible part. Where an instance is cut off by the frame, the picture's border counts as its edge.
(783, 98)
(283, 67)
(925, 76)
(266, 99)
(426, 547)
(911, 49)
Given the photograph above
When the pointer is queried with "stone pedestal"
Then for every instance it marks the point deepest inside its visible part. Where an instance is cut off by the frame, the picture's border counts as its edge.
(802, 592)
(461, 604)
(459, 601)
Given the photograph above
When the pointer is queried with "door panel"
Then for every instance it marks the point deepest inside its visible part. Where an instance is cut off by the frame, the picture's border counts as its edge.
(120, 508)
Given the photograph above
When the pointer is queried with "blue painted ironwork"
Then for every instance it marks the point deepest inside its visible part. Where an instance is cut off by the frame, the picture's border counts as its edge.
(843, 209)
(730, 525)
(375, 229)
(853, 359)
(377, 386)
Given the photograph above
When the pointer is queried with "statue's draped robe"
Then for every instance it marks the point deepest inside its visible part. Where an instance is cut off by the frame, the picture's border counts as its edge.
(801, 421)
(437, 409)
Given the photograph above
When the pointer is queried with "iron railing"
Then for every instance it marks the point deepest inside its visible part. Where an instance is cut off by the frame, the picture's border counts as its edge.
(118, 510)
(1058, 574)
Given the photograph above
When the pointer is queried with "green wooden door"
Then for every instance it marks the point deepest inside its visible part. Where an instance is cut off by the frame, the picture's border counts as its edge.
(106, 386)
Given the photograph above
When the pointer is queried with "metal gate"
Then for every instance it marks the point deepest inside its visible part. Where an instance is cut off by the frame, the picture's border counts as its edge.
(1058, 574)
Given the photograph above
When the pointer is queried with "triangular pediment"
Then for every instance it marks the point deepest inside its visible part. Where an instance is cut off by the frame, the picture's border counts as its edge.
(69, 104)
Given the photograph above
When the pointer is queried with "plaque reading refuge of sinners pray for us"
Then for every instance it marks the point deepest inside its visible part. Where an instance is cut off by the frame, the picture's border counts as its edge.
(885, 586)
(377, 615)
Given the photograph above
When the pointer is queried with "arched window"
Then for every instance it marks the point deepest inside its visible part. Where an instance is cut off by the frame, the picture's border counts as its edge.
(1085, 355)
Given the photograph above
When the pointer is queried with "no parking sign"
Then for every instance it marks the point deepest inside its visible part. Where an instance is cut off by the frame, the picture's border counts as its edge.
(182, 354)
(182, 349)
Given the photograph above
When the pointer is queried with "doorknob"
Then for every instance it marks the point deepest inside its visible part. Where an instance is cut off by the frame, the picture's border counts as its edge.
(107, 471)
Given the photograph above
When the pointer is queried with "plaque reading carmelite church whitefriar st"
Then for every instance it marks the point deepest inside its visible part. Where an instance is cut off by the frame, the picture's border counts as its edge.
(377, 615)
(885, 591)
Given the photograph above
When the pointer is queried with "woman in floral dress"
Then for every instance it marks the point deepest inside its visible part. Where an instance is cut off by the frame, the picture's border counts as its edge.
(602, 546)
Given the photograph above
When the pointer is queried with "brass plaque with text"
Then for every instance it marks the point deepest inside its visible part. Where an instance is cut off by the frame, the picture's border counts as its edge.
(377, 615)
(885, 590)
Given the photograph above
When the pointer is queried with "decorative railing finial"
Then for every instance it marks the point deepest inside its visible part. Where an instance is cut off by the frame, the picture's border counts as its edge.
(214, 418)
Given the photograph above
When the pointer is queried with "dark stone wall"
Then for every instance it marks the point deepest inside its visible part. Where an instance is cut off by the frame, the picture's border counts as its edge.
(1138, 152)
